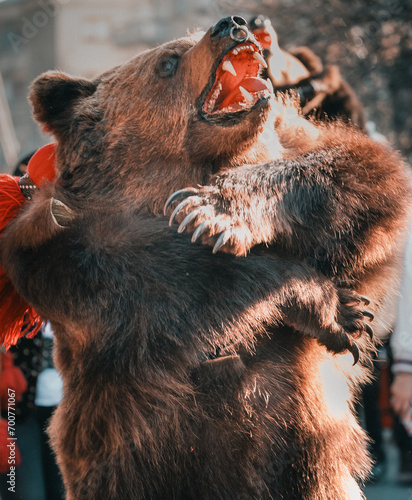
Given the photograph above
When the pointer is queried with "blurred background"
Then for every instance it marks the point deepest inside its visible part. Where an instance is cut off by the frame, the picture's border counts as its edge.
(371, 41)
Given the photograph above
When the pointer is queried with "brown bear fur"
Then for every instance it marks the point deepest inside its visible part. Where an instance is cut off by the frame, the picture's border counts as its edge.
(180, 381)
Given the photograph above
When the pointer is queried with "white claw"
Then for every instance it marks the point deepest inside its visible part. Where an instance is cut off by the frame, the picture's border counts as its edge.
(222, 240)
(187, 220)
(177, 194)
(61, 214)
(228, 66)
(179, 207)
(200, 230)
(260, 59)
(247, 95)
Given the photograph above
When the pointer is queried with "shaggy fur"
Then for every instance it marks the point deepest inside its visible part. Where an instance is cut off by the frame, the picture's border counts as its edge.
(180, 381)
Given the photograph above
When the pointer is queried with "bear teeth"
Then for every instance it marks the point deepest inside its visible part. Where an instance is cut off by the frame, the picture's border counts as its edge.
(234, 70)
(242, 47)
(259, 58)
(228, 66)
(214, 97)
(247, 95)
(246, 104)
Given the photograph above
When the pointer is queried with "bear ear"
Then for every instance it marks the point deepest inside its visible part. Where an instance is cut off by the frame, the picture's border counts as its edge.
(52, 96)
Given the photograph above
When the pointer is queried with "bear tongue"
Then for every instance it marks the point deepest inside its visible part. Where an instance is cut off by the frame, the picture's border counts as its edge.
(235, 96)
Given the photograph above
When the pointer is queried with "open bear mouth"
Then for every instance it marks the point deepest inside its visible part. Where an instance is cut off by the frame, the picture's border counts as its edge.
(237, 85)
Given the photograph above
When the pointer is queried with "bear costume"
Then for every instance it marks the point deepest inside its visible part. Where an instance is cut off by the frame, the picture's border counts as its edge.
(322, 91)
(190, 374)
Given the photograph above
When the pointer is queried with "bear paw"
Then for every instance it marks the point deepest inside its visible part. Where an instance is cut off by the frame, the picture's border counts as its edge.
(202, 213)
(352, 322)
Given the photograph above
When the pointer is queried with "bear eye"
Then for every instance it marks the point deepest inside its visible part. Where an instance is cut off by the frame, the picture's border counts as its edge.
(168, 66)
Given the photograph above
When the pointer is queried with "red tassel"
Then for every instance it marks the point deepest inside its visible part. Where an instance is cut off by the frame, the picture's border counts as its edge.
(8, 449)
(12, 307)
(17, 318)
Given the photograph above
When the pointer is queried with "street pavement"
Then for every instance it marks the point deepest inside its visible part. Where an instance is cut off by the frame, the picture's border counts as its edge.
(387, 488)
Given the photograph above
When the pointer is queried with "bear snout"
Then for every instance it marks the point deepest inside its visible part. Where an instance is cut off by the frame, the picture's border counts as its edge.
(235, 27)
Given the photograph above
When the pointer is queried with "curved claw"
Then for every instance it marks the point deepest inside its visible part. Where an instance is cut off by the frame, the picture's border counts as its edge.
(364, 299)
(354, 350)
(369, 330)
(222, 240)
(61, 214)
(182, 193)
(368, 314)
(179, 207)
(202, 228)
(187, 220)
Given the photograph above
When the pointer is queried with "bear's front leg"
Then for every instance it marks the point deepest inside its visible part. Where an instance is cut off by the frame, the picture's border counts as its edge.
(332, 198)
(204, 212)
(296, 203)
(334, 316)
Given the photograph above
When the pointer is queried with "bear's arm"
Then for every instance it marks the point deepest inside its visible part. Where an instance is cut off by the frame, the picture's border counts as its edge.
(112, 279)
(322, 205)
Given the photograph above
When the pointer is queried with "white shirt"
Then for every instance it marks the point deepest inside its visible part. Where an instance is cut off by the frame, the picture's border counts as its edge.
(49, 387)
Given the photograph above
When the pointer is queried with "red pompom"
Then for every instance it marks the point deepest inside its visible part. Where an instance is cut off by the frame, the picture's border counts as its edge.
(42, 164)
(9, 453)
(16, 316)
(11, 199)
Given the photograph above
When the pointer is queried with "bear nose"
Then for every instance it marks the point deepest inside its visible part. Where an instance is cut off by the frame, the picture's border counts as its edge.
(234, 26)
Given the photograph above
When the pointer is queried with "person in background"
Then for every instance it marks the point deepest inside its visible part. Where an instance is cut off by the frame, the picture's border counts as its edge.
(322, 90)
(21, 168)
(401, 388)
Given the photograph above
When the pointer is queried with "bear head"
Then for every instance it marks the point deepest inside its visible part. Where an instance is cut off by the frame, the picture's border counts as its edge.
(173, 114)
